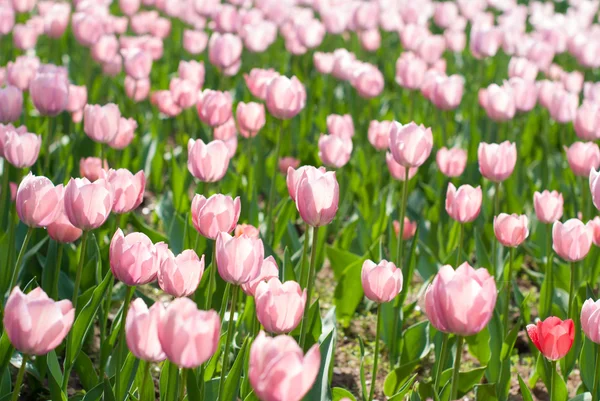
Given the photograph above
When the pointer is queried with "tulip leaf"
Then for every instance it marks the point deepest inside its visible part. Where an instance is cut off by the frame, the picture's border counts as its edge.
(169, 382)
(363, 380)
(466, 379)
(340, 260)
(587, 361)
(582, 397)
(55, 377)
(6, 351)
(193, 392)
(397, 379)
(568, 362)
(544, 370)
(128, 371)
(339, 393)
(6, 383)
(400, 395)
(95, 393)
(85, 371)
(321, 390)
(416, 342)
(349, 292)
(234, 377)
(109, 395)
(525, 392)
(85, 319)
(50, 268)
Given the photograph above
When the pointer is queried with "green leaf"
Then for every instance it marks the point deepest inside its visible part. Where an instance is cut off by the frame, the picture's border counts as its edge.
(509, 342)
(86, 371)
(400, 395)
(485, 392)
(108, 391)
(363, 381)
(466, 379)
(128, 372)
(169, 381)
(416, 342)
(95, 393)
(587, 361)
(320, 390)
(50, 268)
(525, 392)
(6, 351)
(85, 319)
(479, 346)
(543, 368)
(582, 397)
(397, 379)
(340, 260)
(55, 377)
(348, 292)
(193, 392)
(234, 377)
(339, 393)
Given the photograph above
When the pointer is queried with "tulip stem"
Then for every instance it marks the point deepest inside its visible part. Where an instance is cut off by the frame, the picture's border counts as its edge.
(596, 374)
(399, 263)
(5, 194)
(17, 270)
(552, 373)
(459, 346)
(230, 330)
(508, 281)
(211, 279)
(494, 243)
(59, 255)
(84, 239)
(250, 177)
(145, 366)
(309, 287)
(460, 243)
(303, 271)
(376, 354)
(584, 199)
(50, 127)
(20, 376)
(440, 362)
(272, 189)
(571, 291)
(104, 323)
(121, 346)
(549, 271)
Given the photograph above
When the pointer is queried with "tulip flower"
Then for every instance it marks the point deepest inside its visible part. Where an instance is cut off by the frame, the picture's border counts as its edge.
(451, 162)
(208, 162)
(11, 104)
(410, 144)
(250, 118)
(335, 151)
(101, 123)
(285, 97)
(268, 270)
(214, 215)
(497, 161)
(134, 259)
(379, 134)
(214, 107)
(141, 330)
(548, 206)
(180, 275)
(128, 189)
(38, 201)
(409, 229)
(279, 306)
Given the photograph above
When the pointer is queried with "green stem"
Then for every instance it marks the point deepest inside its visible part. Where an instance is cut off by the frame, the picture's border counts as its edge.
(121, 347)
(571, 291)
(182, 383)
(59, 255)
(549, 272)
(50, 136)
(376, 354)
(17, 270)
(494, 243)
(20, 376)
(507, 305)
(553, 373)
(309, 287)
(596, 374)
(6, 196)
(250, 177)
(460, 243)
(84, 239)
(441, 361)
(459, 345)
(273, 179)
(145, 366)
(230, 330)
(399, 263)
(584, 191)
(104, 326)
(303, 271)
(211, 279)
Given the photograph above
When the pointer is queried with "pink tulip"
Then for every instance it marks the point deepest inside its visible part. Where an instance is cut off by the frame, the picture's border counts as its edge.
(250, 118)
(137, 89)
(462, 301)
(134, 259)
(258, 81)
(138, 63)
(180, 275)
(93, 168)
(286, 162)
(572, 240)
(7, 19)
(77, 98)
(20, 72)
(595, 224)
(463, 204)
(323, 62)
(485, 41)
(431, 48)
(411, 35)
(410, 228)
(541, 53)
(87, 27)
(88, 205)
(285, 97)
(183, 92)
(522, 68)
(219, 213)
(398, 171)
(335, 151)
(24, 37)
(20, 149)
(552, 337)
(341, 126)
(564, 106)
(11, 104)
(239, 259)
(129, 7)
(456, 40)
(548, 206)
(573, 81)
(161, 28)
(410, 144)
(511, 229)
(595, 187)
(141, 330)
(583, 157)
(381, 282)
(38, 201)
(106, 49)
(5, 129)
(34, 323)
(278, 370)
(128, 189)
(194, 42)
(587, 120)
(451, 162)
(258, 36)
(448, 92)
(524, 93)
(379, 134)
(279, 306)
(499, 102)
(445, 14)
(192, 71)
(225, 52)
(317, 196)
(294, 176)
(127, 127)
(208, 162)
(188, 336)
(591, 91)
(368, 81)
(497, 161)
(61, 229)
(370, 40)
(268, 270)
(214, 107)
(589, 320)
(228, 134)
(101, 123)
(50, 91)
(410, 71)
(246, 229)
